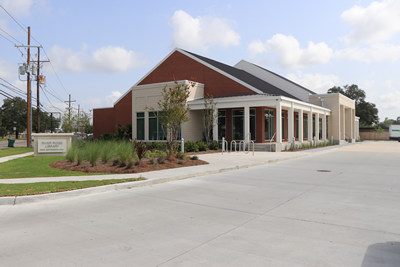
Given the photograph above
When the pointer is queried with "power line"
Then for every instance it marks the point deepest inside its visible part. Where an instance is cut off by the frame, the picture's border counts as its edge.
(50, 101)
(7, 39)
(13, 19)
(10, 36)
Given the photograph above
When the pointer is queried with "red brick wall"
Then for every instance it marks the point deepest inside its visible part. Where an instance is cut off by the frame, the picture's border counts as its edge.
(184, 67)
(103, 121)
(123, 110)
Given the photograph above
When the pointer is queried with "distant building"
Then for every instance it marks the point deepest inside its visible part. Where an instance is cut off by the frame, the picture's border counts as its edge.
(253, 104)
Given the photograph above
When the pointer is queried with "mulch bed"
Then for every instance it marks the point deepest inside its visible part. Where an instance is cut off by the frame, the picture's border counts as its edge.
(109, 168)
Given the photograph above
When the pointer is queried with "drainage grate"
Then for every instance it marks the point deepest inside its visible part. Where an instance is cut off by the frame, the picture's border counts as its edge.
(323, 171)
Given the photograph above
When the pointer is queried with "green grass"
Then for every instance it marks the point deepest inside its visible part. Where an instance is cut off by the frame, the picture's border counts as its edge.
(4, 152)
(35, 167)
(52, 187)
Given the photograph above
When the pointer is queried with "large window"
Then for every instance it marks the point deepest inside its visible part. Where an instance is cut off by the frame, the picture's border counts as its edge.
(297, 126)
(320, 129)
(155, 128)
(140, 126)
(253, 124)
(313, 129)
(221, 124)
(283, 126)
(237, 124)
(269, 128)
(305, 126)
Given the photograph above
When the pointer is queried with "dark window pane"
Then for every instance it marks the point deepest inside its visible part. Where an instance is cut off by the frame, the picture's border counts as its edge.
(140, 128)
(152, 129)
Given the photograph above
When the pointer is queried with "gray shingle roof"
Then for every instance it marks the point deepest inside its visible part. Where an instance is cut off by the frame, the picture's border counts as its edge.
(245, 77)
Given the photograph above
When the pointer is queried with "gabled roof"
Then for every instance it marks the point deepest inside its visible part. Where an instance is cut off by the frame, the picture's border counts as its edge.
(273, 73)
(244, 76)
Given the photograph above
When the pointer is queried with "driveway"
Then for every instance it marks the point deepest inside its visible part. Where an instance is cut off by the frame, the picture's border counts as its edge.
(335, 209)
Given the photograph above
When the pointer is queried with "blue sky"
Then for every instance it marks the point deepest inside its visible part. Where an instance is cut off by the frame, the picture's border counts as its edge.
(99, 49)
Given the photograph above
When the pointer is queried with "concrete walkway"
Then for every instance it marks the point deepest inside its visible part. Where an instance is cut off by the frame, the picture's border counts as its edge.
(7, 158)
(218, 163)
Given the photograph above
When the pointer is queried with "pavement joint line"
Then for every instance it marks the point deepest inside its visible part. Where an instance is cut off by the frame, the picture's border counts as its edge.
(332, 224)
(198, 204)
(14, 200)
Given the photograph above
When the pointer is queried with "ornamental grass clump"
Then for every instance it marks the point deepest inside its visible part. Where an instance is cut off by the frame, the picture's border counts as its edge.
(126, 152)
(107, 151)
(71, 154)
(80, 156)
(93, 151)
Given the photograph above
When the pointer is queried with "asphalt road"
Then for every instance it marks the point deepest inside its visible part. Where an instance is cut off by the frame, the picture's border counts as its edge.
(17, 143)
(335, 209)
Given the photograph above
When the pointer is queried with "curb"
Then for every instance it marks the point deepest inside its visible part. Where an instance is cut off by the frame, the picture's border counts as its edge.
(129, 185)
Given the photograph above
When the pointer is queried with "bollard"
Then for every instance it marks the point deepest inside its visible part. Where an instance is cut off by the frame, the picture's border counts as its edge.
(315, 141)
(294, 143)
(332, 140)
(223, 145)
(182, 145)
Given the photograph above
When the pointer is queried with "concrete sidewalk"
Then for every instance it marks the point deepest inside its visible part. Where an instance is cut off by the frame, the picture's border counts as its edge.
(218, 163)
(7, 158)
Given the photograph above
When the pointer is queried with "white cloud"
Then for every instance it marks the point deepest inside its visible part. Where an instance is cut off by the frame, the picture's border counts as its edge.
(373, 53)
(390, 101)
(289, 53)
(18, 8)
(8, 70)
(110, 99)
(378, 22)
(319, 83)
(104, 60)
(92, 101)
(202, 32)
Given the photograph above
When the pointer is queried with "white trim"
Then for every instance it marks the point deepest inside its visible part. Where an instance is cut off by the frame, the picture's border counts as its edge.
(152, 84)
(103, 108)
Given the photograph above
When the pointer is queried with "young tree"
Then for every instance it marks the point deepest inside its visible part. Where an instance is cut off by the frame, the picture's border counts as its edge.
(209, 116)
(367, 112)
(173, 110)
(72, 122)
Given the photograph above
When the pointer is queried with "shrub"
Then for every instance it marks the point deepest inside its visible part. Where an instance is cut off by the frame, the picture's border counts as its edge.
(156, 145)
(214, 145)
(191, 147)
(202, 146)
(137, 163)
(194, 157)
(180, 162)
(161, 160)
(122, 164)
(140, 148)
(105, 137)
(180, 155)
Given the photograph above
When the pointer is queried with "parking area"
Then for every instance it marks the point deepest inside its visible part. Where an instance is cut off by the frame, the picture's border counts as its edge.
(334, 209)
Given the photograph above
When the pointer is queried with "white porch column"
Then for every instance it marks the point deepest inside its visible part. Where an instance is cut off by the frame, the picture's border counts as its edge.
(317, 126)
(352, 124)
(301, 130)
(215, 125)
(324, 127)
(278, 118)
(246, 124)
(291, 123)
(310, 128)
(343, 120)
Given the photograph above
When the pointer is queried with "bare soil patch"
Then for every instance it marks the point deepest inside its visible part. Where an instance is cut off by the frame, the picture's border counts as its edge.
(145, 166)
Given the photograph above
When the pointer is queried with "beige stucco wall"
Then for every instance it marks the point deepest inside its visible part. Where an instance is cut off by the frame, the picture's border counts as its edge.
(193, 129)
(338, 122)
(52, 136)
(148, 95)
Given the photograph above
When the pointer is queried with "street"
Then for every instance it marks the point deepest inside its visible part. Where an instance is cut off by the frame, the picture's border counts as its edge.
(334, 209)
(17, 143)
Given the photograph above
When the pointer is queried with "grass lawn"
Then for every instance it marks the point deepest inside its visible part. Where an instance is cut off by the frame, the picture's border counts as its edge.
(35, 167)
(14, 151)
(52, 187)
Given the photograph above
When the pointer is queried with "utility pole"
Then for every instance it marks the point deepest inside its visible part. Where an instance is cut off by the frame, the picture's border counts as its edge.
(69, 108)
(28, 111)
(37, 89)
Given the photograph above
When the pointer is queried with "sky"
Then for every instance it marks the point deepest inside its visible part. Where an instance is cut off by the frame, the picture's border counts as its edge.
(99, 49)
